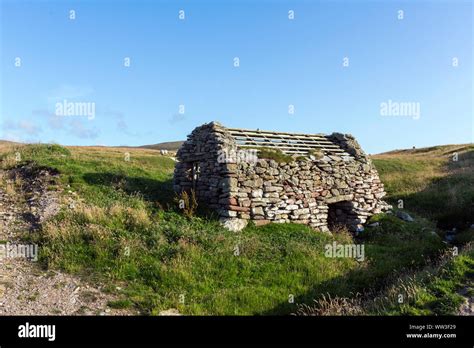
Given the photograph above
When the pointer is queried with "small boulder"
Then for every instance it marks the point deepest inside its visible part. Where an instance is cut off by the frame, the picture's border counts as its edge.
(170, 312)
(449, 237)
(404, 216)
(234, 225)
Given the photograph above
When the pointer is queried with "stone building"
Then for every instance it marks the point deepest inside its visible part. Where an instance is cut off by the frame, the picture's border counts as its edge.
(327, 181)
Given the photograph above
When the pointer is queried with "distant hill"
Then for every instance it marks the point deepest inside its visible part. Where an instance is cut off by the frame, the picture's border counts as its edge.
(170, 146)
(438, 150)
(6, 145)
(4, 142)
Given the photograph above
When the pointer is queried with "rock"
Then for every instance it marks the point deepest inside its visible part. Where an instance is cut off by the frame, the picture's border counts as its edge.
(262, 222)
(404, 216)
(374, 224)
(234, 225)
(237, 208)
(273, 189)
(170, 312)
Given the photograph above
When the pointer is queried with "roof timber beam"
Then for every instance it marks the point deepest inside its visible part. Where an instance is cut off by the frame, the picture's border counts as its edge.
(287, 138)
(249, 131)
(273, 136)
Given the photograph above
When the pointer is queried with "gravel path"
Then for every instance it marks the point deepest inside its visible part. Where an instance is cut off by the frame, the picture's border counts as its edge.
(26, 288)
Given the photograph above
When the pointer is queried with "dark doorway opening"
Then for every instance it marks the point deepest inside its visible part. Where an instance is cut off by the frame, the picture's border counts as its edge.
(341, 214)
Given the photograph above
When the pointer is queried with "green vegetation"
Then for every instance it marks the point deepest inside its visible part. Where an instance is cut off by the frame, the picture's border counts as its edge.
(436, 182)
(274, 154)
(280, 157)
(102, 175)
(163, 256)
(433, 290)
(126, 231)
(318, 154)
(436, 292)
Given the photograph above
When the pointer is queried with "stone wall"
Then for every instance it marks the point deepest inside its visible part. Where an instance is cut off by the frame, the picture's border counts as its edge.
(335, 189)
(202, 149)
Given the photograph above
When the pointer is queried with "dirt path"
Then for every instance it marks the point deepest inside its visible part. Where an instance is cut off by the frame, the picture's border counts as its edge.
(26, 288)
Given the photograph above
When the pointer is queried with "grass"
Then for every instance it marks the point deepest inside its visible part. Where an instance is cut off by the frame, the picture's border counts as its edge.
(103, 175)
(274, 154)
(431, 183)
(437, 183)
(280, 157)
(165, 256)
(126, 230)
(433, 290)
(439, 296)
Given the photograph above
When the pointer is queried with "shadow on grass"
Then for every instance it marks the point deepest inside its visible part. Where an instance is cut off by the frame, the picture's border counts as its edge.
(342, 286)
(151, 190)
(371, 279)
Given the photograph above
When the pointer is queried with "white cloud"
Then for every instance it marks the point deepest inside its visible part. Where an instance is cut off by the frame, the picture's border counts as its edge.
(24, 127)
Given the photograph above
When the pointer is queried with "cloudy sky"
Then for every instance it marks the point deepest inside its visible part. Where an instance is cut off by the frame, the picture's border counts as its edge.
(395, 74)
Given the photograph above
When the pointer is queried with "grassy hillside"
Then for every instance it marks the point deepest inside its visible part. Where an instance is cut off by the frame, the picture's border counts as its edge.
(120, 226)
(440, 288)
(435, 182)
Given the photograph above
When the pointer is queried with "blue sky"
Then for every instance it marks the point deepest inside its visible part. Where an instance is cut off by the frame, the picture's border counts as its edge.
(190, 62)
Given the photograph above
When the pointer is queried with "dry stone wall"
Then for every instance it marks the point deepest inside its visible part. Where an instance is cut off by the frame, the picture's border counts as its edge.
(335, 189)
(199, 159)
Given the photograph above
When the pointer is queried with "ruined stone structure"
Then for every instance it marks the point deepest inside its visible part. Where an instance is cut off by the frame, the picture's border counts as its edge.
(329, 180)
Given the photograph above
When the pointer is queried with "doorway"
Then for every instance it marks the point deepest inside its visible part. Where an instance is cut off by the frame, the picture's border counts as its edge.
(341, 214)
